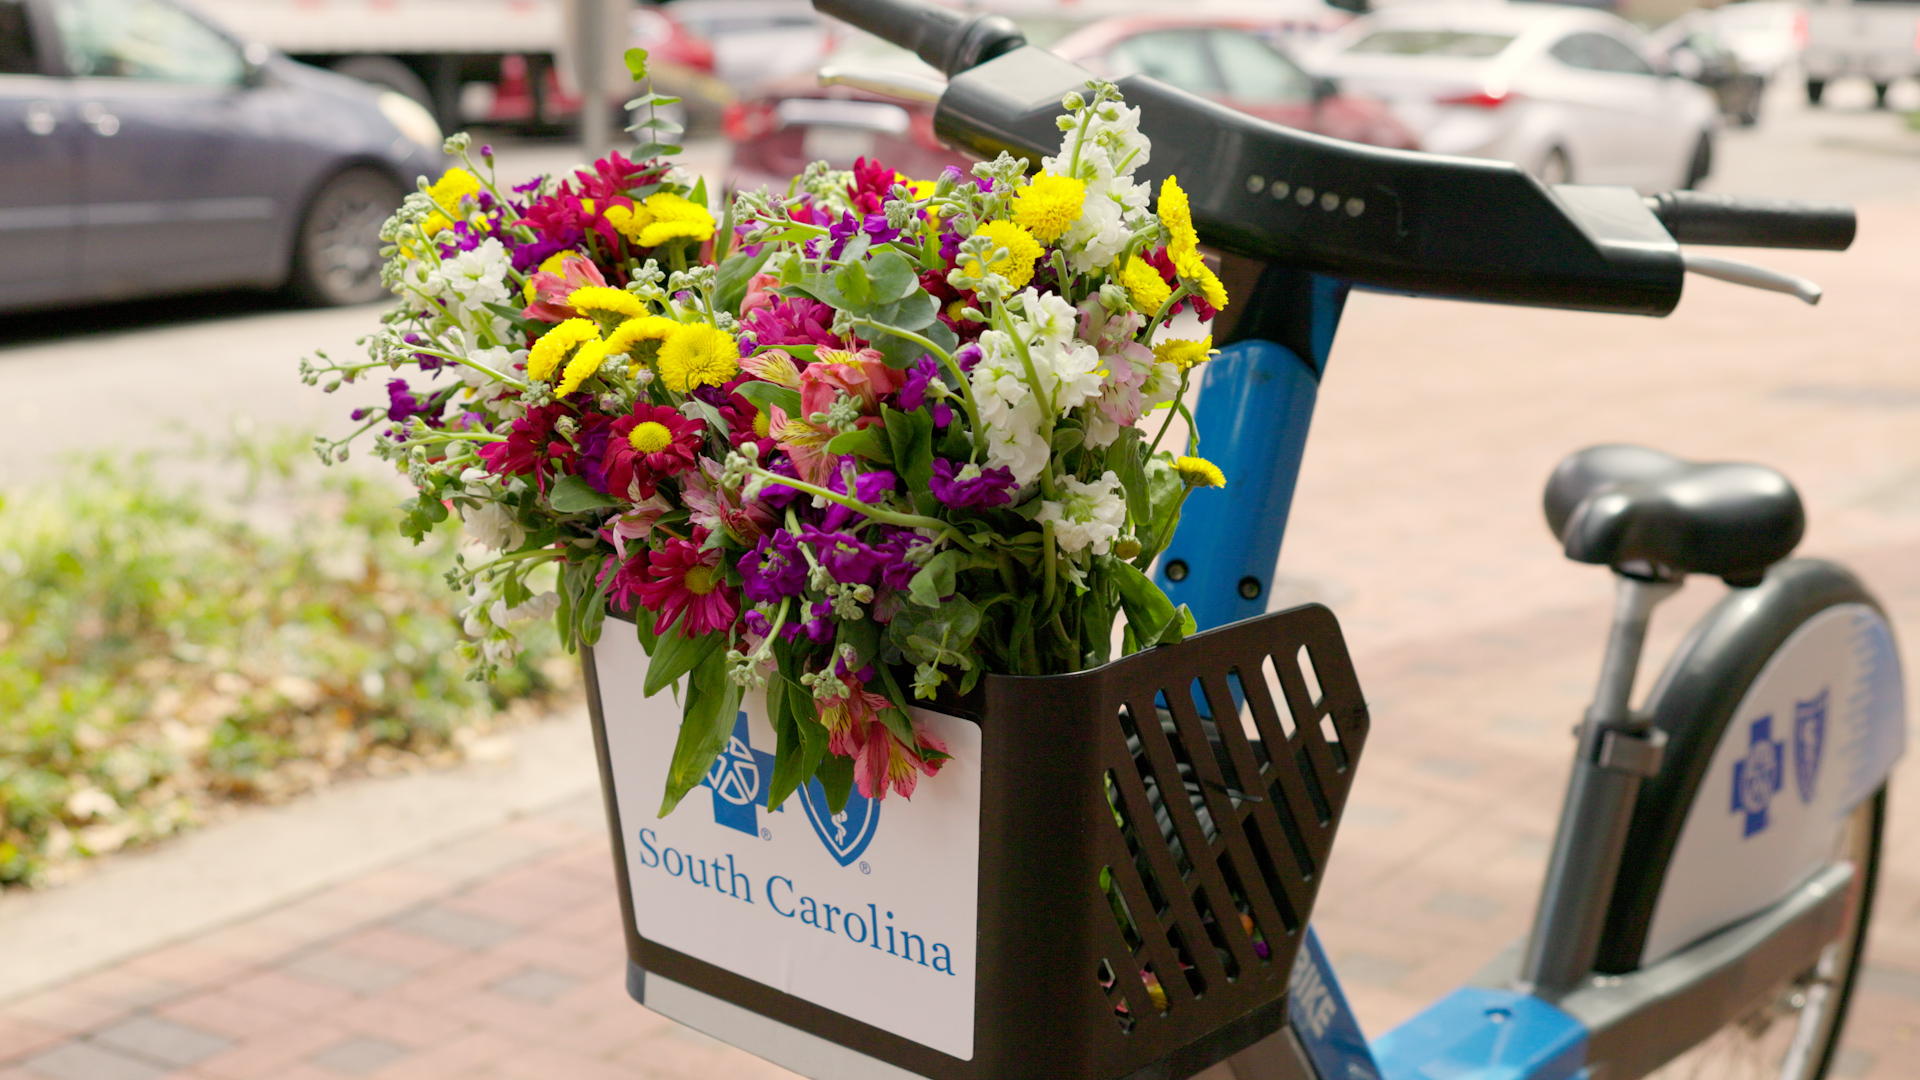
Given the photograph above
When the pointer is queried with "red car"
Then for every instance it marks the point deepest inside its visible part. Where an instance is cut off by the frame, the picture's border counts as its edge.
(796, 122)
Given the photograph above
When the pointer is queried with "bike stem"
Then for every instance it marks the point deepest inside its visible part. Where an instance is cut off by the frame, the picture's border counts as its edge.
(1617, 750)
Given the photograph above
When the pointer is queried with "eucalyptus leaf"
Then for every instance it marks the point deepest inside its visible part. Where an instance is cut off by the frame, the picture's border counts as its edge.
(892, 275)
(636, 63)
(573, 495)
(867, 442)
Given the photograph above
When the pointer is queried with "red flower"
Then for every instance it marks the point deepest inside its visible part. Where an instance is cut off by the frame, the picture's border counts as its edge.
(683, 580)
(643, 447)
(870, 186)
(526, 445)
(1163, 262)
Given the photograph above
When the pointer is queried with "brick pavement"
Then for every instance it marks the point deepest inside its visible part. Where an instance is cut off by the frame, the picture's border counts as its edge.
(501, 957)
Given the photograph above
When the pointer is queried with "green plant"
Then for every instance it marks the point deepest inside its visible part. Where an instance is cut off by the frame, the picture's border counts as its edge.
(163, 649)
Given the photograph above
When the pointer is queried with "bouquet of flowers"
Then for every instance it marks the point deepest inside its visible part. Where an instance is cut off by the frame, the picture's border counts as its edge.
(852, 446)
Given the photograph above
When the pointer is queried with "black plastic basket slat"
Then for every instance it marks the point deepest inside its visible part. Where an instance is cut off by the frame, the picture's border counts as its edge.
(1046, 926)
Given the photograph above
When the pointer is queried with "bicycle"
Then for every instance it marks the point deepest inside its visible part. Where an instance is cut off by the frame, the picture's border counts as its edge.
(1712, 876)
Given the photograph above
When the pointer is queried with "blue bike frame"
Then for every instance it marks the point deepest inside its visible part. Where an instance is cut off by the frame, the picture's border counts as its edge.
(1256, 407)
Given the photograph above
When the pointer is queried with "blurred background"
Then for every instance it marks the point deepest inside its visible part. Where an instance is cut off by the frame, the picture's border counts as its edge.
(255, 822)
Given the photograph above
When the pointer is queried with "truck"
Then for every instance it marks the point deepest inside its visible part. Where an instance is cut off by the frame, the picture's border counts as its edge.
(1877, 39)
(494, 61)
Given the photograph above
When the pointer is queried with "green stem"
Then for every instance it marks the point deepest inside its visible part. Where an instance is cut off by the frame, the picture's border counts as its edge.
(888, 517)
(1047, 556)
(1179, 293)
(1174, 408)
(946, 361)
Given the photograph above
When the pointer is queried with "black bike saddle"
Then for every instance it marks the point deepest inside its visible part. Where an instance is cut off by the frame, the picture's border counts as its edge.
(1651, 514)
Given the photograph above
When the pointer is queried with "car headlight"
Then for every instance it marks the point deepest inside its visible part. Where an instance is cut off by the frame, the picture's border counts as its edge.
(412, 120)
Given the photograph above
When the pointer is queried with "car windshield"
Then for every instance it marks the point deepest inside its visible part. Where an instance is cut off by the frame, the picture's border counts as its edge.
(1462, 43)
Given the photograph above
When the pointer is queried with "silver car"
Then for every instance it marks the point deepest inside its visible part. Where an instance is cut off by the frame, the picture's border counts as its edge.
(144, 151)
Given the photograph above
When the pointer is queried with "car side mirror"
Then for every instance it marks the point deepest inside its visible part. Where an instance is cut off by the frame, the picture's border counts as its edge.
(1324, 88)
(255, 57)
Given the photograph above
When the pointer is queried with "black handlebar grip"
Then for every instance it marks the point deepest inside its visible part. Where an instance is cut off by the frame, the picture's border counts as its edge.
(949, 40)
(1695, 217)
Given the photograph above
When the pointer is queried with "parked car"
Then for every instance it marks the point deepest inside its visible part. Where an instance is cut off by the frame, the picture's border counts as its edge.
(1693, 47)
(799, 121)
(1767, 35)
(1568, 93)
(143, 151)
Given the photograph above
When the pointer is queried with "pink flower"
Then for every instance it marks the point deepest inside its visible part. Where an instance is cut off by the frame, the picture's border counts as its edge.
(637, 523)
(683, 580)
(760, 294)
(859, 375)
(887, 762)
(714, 508)
(552, 289)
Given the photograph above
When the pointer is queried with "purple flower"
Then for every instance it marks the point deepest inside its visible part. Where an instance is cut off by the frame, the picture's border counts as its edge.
(896, 570)
(914, 393)
(959, 489)
(757, 623)
(774, 569)
(819, 629)
(969, 355)
(867, 488)
(874, 225)
(778, 495)
(846, 558)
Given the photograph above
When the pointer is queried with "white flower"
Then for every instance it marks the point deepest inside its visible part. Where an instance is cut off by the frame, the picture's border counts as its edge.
(1090, 515)
(1016, 443)
(540, 607)
(477, 277)
(1097, 239)
(1047, 317)
(1110, 146)
(492, 525)
(1071, 372)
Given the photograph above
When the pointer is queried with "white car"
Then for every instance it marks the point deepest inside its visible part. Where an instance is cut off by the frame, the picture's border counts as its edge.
(1766, 35)
(1567, 93)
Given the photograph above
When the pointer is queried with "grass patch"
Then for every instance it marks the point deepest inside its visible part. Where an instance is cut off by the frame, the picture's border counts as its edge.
(166, 652)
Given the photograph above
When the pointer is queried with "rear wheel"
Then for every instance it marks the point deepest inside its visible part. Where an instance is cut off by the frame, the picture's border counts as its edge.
(1880, 94)
(1554, 168)
(1793, 1033)
(336, 257)
(1816, 89)
(1700, 166)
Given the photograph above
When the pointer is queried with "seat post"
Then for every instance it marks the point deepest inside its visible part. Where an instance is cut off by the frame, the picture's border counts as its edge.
(1616, 752)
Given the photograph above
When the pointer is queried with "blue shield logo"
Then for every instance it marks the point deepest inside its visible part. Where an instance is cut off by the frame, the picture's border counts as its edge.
(1809, 740)
(1757, 777)
(739, 780)
(847, 833)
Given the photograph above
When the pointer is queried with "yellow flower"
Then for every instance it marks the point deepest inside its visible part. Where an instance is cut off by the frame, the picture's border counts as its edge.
(1183, 354)
(601, 298)
(762, 423)
(664, 219)
(1193, 270)
(698, 355)
(775, 366)
(922, 189)
(650, 437)
(1199, 472)
(547, 353)
(585, 362)
(435, 223)
(1049, 205)
(1177, 215)
(1022, 252)
(1147, 289)
(454, 185)
(634, 331)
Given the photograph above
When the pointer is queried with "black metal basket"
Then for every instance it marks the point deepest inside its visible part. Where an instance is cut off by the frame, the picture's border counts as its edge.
(1146, 868)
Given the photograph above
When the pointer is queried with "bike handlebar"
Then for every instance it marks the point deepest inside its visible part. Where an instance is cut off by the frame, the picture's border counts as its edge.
(1391, 219)
(1695, 217)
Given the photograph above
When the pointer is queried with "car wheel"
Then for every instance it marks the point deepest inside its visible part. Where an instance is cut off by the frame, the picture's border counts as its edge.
(388, 72)
(1554, 168)
(1816, 88)
(1880, 94)
(336, 257)
(1701, 165)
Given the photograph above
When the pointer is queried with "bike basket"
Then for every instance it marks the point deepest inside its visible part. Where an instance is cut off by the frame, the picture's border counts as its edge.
(1108, 880)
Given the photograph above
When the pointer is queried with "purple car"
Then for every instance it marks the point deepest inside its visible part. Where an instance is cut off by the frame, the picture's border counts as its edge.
(145, 151)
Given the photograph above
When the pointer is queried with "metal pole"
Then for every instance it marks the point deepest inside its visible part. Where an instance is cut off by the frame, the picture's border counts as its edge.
(590, 63)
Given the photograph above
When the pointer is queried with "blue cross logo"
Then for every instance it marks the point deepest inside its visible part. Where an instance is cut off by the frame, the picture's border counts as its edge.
(1757, 778)
(739, 779)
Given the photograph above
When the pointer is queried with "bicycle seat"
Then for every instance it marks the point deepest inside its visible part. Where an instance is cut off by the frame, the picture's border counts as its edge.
(1650, 514)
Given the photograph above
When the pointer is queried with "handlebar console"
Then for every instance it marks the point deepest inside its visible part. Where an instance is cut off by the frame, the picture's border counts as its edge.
(1391, 219)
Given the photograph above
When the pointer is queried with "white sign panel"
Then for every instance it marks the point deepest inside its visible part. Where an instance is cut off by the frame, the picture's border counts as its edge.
(870, 912)
(1818, 731)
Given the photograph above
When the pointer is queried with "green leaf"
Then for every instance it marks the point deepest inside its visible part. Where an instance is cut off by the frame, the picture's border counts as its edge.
(1066, 438)
(1153, 617)
(802, 740)
(573, 495)
(938, 579)
(940, 635)
(892, 276)
(766, 396)
(636, 63)
(1125, 459)
(910, 437)
(851, 280)
(643, 630)
(674, 655)
(713, 701)
(1168, 493)
(836, 776)
(736, 271)
(864, 442)
(913, 312)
